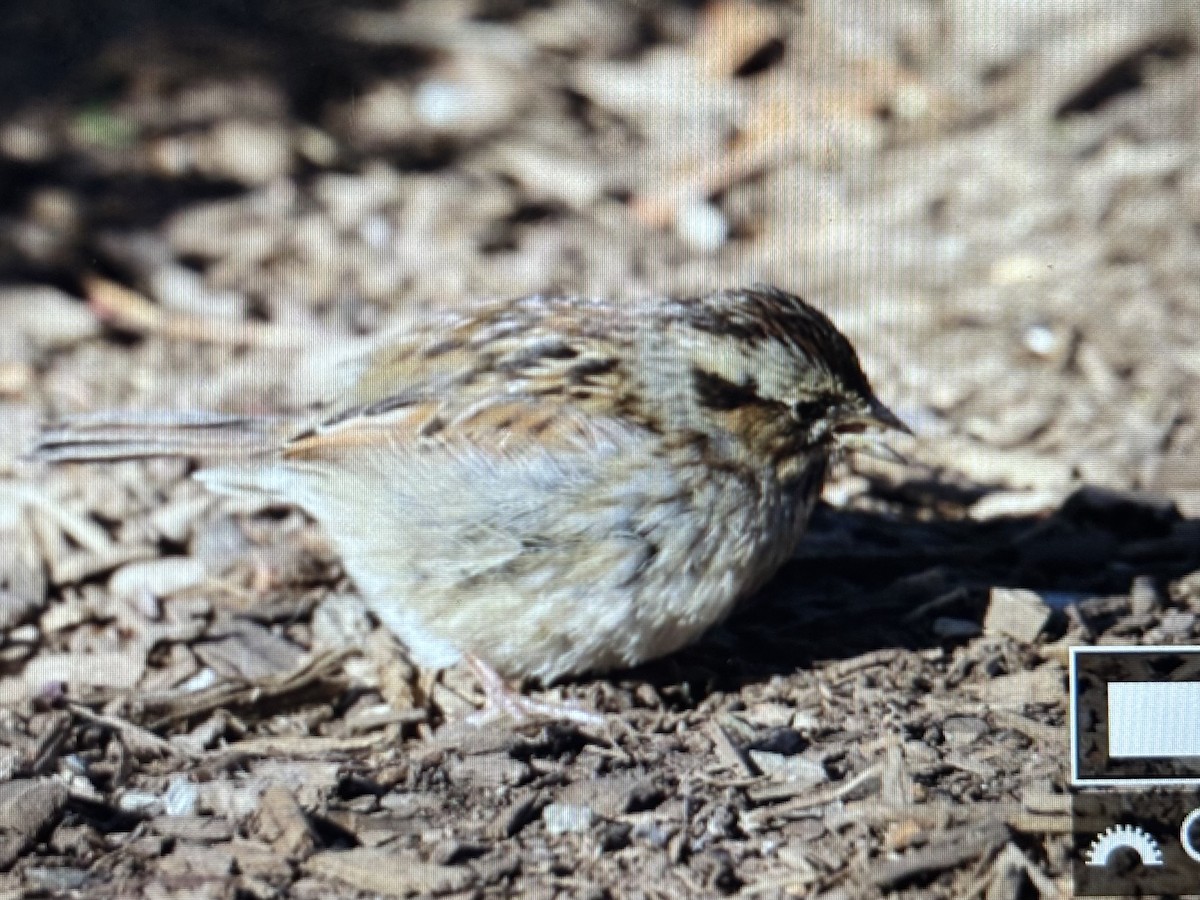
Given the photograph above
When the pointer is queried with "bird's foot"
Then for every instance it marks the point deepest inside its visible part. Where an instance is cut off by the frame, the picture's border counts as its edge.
(503, 700)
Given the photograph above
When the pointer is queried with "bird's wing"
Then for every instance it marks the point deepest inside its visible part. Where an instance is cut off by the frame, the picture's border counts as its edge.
(505, 464)
(478, 419)
(496, 461)
(531, 346)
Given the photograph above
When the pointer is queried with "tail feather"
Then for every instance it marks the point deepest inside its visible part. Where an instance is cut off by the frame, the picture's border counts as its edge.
(122, 435)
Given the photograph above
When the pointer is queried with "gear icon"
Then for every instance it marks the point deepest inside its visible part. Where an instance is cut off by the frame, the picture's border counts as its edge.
(1119, 836)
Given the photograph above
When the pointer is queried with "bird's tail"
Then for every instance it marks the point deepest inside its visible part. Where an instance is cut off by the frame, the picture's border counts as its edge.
(119, 435)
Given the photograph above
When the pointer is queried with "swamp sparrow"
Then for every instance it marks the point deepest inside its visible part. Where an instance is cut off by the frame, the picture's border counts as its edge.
(549, 485)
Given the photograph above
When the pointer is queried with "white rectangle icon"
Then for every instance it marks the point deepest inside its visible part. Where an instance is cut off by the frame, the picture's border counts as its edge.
(1153, 719)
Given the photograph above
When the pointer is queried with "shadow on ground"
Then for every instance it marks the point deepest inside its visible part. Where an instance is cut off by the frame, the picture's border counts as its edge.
(866, 581)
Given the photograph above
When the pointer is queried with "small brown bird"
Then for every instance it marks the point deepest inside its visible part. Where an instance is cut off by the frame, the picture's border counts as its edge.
(549, 485)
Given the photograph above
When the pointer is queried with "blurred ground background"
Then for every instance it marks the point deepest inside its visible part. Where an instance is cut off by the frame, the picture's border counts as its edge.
(999, 202)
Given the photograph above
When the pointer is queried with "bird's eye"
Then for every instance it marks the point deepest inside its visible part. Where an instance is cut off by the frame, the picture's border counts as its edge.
(812, 408)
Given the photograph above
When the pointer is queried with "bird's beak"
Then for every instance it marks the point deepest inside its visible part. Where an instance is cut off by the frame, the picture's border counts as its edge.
(858, 432)
(884, 418)
(876, 416)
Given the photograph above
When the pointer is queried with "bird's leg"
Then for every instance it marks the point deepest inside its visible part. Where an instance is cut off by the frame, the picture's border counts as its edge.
(504, 700)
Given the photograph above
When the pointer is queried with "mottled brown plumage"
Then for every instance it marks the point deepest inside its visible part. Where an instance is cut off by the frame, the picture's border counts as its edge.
(553, 484)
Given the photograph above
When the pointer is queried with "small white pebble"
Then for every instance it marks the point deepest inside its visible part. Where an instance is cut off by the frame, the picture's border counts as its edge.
(1016, 612)
(180, 798)
(204, 678)
(440, 102)
(1143, 596)
(702, 225)
(82, 787)
(136, 801)
(568, 818)
(376, 231)
(1042, 340)
(75, 763)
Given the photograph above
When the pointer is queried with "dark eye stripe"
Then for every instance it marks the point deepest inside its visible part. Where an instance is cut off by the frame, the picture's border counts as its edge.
(715, 392)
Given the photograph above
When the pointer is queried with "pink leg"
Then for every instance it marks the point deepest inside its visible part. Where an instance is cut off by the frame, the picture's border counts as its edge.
(503, 700)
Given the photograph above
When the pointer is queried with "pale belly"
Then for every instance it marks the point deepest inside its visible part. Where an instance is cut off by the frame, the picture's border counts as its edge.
(602, 584)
